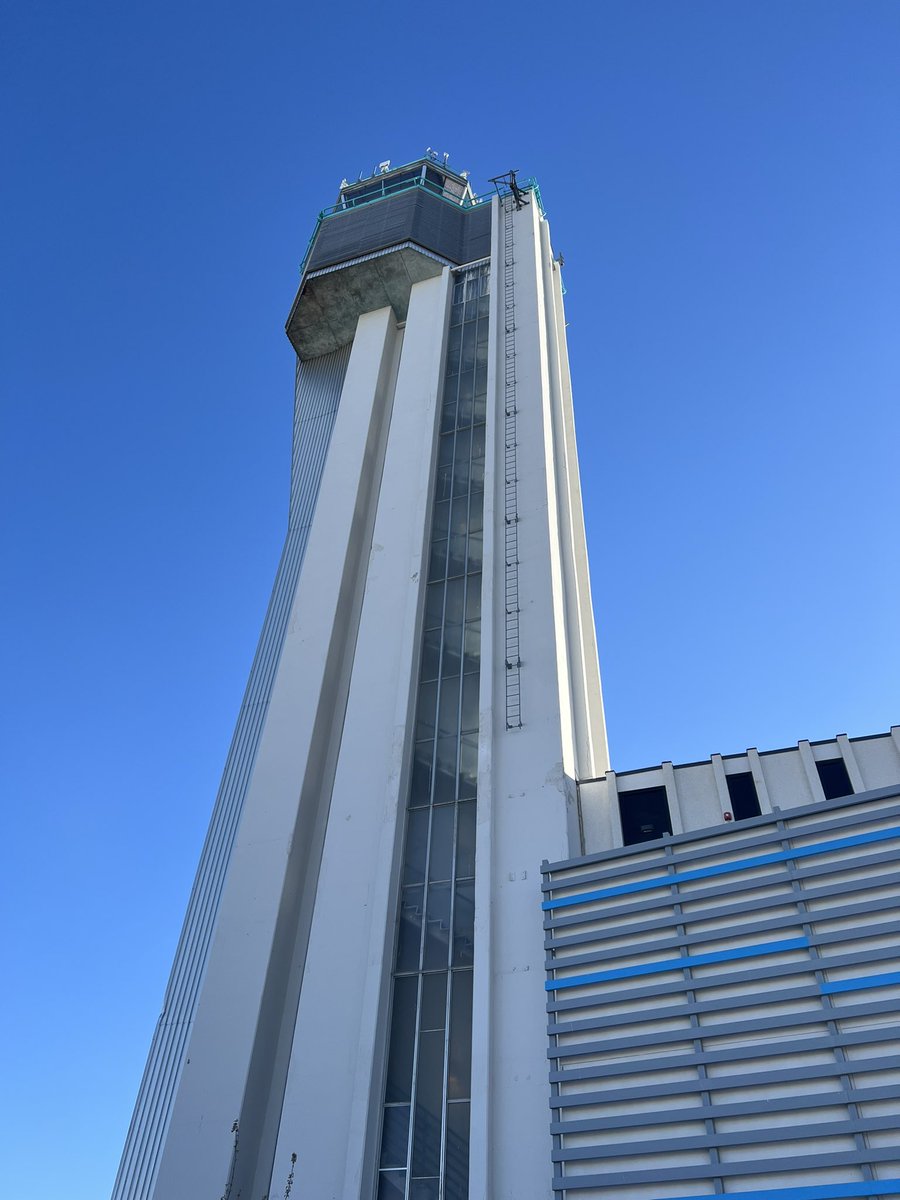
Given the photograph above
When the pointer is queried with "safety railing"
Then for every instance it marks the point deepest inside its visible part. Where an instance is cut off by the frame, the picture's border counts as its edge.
(348, 204)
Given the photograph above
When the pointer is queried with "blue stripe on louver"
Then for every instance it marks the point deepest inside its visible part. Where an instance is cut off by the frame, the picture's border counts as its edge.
(740, 864)
(675, 964)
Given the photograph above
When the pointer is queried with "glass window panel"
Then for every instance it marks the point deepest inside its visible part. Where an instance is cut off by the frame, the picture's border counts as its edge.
(437, 921)
(445, 774)
(476, 509)
(464, 924)
(834, 778)
(392, 1185)
(445, 449)
(459, 515)
(473, 598)
(454, 341)
(452, 641)
(472, 647)
(469, 714)
(468, 765)
(426, 1154)
(463, 446)
(425, 1189)
(420, 789)
(467, 385)
(434, 1002)
(743, 796)
(476, 475)
(437, 564)
(437, 928)
(475, 550)
(454, 603)
(395, 1136)
(466, 413)
(458, 561)
(448, 417)
(411, 901)
(467, 360)
(448, 715)
(434, 605)
(443, 482)
(440, 864)
(645, 814)
(456, 1152)
(403, 1037)
(431, 653)
(465, 840)
(416, 848)
(460, 1063)
(440, 524)
(461, 477)
(425, 711)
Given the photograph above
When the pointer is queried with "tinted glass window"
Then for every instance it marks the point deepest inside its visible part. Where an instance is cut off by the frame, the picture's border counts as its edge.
(834, 777)
(645, 815)
(742, 793)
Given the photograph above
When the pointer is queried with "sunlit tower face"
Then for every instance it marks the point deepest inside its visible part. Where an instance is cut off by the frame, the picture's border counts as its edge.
(359, 980)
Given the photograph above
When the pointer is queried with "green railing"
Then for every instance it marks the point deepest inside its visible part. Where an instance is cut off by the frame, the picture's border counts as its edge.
(389, 190)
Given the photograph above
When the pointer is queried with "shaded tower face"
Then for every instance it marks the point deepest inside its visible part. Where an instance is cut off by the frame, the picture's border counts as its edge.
(359, 981)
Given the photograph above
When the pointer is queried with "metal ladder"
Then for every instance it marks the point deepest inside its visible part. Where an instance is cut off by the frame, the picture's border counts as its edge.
(511, 507)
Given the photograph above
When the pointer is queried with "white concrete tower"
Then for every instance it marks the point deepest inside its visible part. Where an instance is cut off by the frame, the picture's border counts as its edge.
(360, 977)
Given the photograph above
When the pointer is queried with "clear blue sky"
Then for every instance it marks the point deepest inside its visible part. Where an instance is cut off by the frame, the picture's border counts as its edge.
(723, 179)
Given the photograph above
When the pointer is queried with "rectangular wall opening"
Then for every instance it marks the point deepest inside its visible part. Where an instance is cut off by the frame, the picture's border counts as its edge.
(834, 778)
(742, 794)
(645, 815)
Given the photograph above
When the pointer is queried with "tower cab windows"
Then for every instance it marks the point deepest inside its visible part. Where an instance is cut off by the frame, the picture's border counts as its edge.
(388, 183)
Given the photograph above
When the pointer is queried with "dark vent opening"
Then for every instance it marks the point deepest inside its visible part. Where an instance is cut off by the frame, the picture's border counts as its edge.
(645, 815)
(742, 794)
(834, 777)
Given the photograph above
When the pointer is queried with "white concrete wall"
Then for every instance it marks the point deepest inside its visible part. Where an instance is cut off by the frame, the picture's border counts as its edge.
(268, 897)
(334, 1080)
(697, 792)
(526, 776)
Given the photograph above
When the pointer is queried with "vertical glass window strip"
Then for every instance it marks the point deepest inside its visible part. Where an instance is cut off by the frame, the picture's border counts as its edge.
(425, 1126)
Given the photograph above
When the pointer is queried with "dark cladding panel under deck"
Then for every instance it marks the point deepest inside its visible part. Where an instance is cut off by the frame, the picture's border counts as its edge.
(459, 234)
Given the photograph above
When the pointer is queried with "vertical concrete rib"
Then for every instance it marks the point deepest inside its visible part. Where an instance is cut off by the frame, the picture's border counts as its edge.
(317, 394)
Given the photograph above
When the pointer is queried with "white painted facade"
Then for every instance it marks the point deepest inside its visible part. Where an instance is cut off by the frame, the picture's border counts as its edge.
(698, 796)
(283, 1008)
